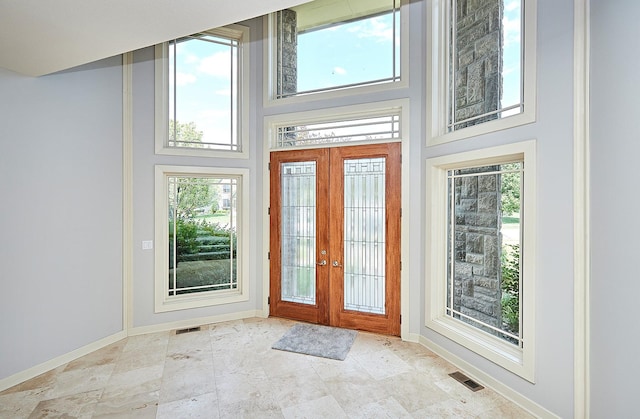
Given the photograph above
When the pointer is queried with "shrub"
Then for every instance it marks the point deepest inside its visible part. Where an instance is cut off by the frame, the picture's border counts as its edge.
(510, 285)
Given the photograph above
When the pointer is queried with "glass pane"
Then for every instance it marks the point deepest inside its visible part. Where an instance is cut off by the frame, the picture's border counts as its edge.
(485, 61)
(298, 241)
(328, 44)
(363, 129)
(202, 234)
(484, 245)
(203, 92)
(364, 235)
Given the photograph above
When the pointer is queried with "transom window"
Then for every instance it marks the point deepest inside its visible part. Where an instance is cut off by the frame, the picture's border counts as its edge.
(371, 128)
(326, 45)
(201, 236)
(201, 82)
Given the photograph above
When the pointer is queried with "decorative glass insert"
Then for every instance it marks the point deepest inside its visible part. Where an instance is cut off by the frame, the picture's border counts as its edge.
(334, 44)
(202, 234)
(385, 127)
(298, 235)
(486, 71)
(204, 80)
(484, 247)
(364, 235)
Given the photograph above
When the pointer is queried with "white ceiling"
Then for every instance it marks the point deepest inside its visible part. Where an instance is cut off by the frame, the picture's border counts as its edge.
(40, 37)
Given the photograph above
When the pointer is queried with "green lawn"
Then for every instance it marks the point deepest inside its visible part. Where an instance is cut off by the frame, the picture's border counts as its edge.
(510, 220)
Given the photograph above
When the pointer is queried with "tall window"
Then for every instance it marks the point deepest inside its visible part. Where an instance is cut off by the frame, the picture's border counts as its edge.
(201, 105)
(481, 247)
(201, 237)
(328, 45)
(488, 48)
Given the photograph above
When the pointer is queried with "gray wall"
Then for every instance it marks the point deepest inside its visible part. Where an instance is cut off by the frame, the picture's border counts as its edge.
(61, 212)
(553, 131)
(615, 144)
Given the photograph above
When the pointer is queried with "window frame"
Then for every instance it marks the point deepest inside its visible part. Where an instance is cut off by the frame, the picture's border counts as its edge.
(337, 114)
(520, 361)
(270, 71)
(164, 302)
(438, 78)
(237, 32)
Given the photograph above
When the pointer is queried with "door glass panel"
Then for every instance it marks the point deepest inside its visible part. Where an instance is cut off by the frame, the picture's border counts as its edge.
(298, 235)
(364, 235)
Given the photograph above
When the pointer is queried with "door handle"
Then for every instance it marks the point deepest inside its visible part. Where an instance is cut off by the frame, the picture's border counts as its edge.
(323, 262)
(336, 264)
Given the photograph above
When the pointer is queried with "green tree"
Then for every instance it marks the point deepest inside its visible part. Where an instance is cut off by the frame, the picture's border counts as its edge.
(215, 198)
(510, 191)
(184, 134)
(193, 193)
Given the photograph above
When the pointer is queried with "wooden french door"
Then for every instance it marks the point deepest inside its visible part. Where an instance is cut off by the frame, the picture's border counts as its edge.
(335, 236)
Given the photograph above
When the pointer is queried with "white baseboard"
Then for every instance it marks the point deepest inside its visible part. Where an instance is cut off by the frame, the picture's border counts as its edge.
(411, 337)
(488, 381)
(182, 324)
(32, 372)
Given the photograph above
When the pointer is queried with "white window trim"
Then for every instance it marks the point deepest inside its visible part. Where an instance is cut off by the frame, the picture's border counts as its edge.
(270, 70)
(242, 34)
(519, 361)
(163, 302)
(438, 78)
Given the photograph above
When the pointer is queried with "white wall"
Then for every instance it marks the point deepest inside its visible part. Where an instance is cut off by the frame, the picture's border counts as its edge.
(60, 212)
(553, 388)
(615, 145)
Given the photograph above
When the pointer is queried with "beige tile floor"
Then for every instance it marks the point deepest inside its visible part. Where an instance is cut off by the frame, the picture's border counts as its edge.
(228, 370)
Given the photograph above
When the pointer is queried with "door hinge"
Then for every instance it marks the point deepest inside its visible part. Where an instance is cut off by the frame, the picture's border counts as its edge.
(401, 212)
(269, 300)
(269, 211)
(269, 255)
(269, 166)
(401, 319)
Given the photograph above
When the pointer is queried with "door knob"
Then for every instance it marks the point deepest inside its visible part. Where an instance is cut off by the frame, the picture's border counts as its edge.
(322, 262)
(336, 263)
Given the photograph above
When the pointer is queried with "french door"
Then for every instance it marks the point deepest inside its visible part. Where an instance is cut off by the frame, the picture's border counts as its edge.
(335, 236)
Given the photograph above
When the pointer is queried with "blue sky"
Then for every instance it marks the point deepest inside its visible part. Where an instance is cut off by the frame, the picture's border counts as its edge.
(345, 54)
(511, 76)
(204, 88)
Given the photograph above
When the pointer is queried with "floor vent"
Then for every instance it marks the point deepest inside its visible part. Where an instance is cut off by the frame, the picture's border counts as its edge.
(466, 381)
(190, 329)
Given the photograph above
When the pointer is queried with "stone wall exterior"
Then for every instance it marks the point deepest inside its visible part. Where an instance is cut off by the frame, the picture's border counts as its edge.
(477, 247)
(287, 57)
(478, 59)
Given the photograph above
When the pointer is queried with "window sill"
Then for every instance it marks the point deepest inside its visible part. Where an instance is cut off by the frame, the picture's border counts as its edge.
(491, 347)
